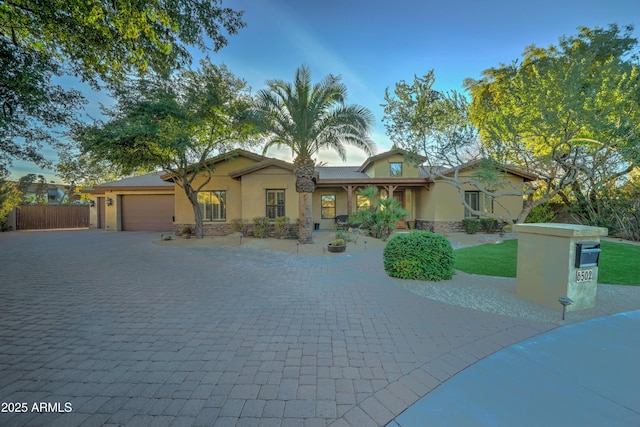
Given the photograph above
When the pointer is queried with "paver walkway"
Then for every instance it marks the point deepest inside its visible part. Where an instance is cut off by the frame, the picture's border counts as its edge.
(131, 333)
(584, 374)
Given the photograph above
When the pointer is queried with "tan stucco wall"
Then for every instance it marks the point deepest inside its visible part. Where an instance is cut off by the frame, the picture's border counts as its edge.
(341, 205)
(442, 202)
(546, 264)
(380, 168)
(254, 194)
(93, 211)
(220, 181)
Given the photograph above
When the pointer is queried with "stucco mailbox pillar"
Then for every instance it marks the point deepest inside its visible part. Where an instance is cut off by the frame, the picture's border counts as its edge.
(556, 260)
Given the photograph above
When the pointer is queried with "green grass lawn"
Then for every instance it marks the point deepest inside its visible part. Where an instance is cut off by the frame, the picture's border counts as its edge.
(619, 262)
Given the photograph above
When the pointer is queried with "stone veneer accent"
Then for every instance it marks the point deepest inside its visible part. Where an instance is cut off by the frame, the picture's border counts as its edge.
(224, 229)
(440, 226)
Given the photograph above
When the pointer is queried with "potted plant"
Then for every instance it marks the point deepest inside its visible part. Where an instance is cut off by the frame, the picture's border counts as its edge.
(186, 232)
(506, 230)
(338, 245)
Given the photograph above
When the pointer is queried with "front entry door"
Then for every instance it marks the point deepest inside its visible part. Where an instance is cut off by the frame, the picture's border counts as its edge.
(399, 195)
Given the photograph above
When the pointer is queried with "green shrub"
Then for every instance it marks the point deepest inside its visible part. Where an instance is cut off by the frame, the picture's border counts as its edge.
(471, 225)
(281, 225)
(489, 225)
(260, 226)
(342, 234)
(420, 255)
(237, 225)
(541, 214)
(338, 242)
(380, 219)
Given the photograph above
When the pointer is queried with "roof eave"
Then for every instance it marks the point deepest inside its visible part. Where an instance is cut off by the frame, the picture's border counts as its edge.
(104, 189)
(372, 181)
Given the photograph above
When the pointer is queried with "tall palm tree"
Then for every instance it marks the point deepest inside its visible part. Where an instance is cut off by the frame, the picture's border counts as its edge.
(308, 118)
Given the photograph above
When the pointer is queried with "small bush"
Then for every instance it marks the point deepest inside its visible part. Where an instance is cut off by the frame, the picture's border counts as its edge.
(342, 234)
(489, 225)
(541, 214)
(185, 230)
(237, 225)
(471, 225)
(260, 227)
(420, 255)
(337, 242)
(281, 225)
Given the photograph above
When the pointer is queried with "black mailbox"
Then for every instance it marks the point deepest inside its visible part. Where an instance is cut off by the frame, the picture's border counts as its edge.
(587, 254)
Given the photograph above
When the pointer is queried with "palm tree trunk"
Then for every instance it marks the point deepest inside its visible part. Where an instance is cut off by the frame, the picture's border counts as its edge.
(303, 169)
(305, 215)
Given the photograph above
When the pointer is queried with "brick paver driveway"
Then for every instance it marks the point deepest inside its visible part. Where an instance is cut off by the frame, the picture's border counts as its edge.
(110, 329)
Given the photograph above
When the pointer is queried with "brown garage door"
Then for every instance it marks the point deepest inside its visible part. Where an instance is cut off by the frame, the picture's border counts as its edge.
(147, 212)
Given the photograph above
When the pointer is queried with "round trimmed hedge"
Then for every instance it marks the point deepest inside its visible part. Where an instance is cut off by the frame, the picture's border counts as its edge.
(420, 255)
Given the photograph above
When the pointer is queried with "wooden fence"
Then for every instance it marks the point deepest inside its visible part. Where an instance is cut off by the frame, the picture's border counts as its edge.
(43, 217)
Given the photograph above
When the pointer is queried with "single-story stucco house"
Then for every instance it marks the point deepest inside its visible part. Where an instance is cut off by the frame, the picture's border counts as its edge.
(246, 185)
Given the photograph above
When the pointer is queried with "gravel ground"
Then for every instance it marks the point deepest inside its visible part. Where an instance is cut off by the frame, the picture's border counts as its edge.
(498, 294)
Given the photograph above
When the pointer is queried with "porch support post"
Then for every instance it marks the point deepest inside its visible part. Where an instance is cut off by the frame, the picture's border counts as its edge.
(349, 189)
(390, 188)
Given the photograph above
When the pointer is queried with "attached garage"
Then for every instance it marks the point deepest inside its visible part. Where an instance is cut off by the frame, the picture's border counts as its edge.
(149, 212)
(139, 203)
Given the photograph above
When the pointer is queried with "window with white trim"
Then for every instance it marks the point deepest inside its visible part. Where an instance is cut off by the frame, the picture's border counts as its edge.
(328, 203)
(275, 203)
(395, 169)
(213, 205)
(478, 201)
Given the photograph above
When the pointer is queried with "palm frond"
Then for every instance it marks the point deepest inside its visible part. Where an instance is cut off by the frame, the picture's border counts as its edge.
(308, 118)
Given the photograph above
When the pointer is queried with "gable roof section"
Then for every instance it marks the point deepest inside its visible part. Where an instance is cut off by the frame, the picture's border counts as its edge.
(386, 154)
(331, 176)
(222, 157)
(268, 162)
(150, 181)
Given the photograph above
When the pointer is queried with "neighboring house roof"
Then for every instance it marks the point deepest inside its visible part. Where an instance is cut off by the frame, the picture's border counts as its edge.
(386, 154)
(52, 193)
(150, 181)
(261, 165)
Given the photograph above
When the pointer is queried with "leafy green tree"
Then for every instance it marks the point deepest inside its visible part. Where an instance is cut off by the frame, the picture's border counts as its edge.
(86, 170)
(110, 39)
(569, 113)
(308, 118)
(10, 198)
(175, 124)
(436, 125)
(96, 40)
(38, 184)
(31, 105)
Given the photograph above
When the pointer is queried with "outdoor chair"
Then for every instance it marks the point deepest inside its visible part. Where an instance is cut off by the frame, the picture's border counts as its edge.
(342, 221)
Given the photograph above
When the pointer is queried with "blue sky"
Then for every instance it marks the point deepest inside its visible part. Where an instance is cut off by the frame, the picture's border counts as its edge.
(373, 44)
